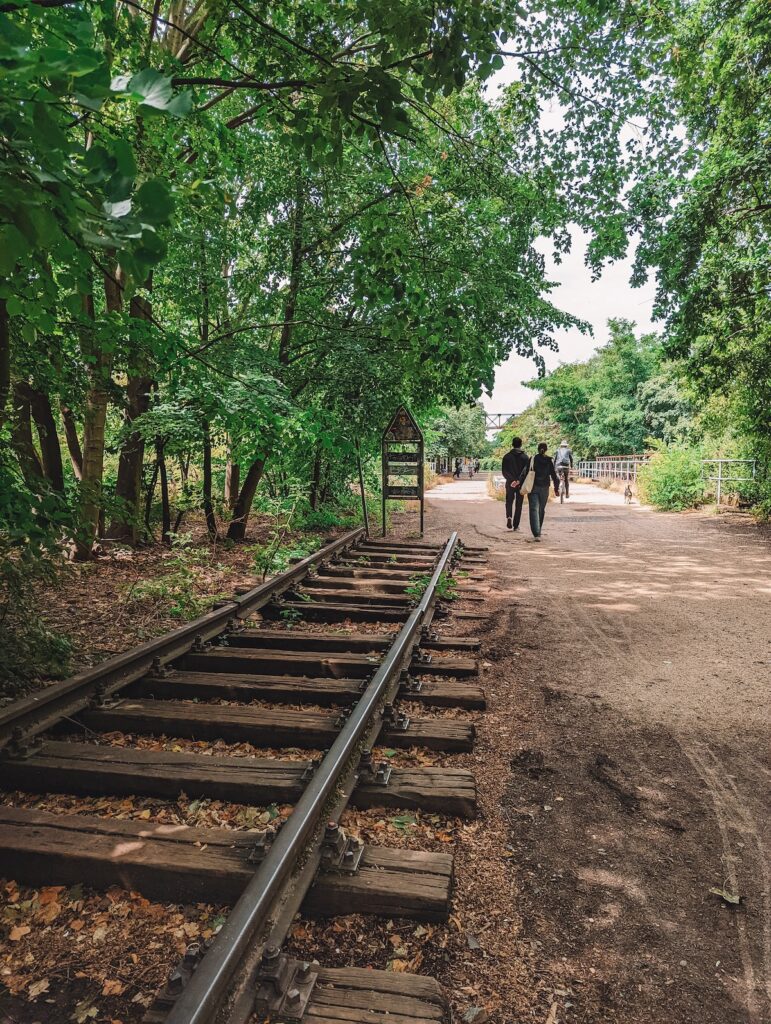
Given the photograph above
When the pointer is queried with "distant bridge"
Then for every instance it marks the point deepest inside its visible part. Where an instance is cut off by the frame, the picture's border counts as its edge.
(497, 420)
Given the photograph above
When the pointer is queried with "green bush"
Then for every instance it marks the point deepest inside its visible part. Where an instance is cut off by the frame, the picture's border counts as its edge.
(760, 498)
(672, 479)
(29, 650)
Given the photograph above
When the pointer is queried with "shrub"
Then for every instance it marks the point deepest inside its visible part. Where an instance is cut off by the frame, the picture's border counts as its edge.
(672, 479)
(761, 500)
(29, 650)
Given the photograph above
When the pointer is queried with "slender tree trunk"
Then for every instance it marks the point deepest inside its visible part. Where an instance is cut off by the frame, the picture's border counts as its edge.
(165, 509)
(315, 480)
(94, 417)
(362, 489)
(243, 506)
(325, 488)
(232, 481)
(128, 487)
(295, 272)
(208, 505)
(5, 361)
(184, 475)
(50, 449)
(73, 441)
(149, 501)
(94, 420)
(21, 438)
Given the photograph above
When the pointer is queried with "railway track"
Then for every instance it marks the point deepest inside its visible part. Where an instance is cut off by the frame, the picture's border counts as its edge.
(281, 681)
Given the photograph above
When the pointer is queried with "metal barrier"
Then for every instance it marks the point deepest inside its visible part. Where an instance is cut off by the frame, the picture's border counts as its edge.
(611, 467)
(624, 467)
(721, 477)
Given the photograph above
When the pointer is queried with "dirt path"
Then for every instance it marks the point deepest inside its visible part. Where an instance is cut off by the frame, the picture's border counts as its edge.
(624, 767)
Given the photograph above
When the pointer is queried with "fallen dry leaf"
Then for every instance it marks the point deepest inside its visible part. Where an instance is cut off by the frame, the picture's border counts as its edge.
(49, 912)
(112, 987)
(19, 932)
(37, 988)
(399, 966)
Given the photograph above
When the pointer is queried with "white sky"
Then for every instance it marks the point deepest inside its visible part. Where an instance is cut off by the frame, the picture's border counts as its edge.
(593, 301)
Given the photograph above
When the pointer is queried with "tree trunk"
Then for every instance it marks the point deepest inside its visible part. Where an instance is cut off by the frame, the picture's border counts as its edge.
(208, 505)
(128, 487)
(326, 488)
(73, 442)
(295, 272)
(21, 438)
(184, 475)
(243, 506)
(149, 501)
(315, 480)
(94, 416)
(165, 509)
(232, 481)
(5, 361)
(93, 462)
(51, 451)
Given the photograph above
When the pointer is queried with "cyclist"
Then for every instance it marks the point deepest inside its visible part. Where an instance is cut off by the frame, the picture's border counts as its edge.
(563, 463)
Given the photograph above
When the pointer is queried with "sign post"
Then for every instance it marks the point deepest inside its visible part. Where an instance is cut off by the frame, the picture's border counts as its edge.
(402, 450)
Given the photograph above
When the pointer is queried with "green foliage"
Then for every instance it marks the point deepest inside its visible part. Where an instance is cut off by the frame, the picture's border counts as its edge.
(181, 589)
(290, 616)
(678, 140)
(457, 433)
(597, 405)
(672, 479)
(274, 557)
(761, 509)
(29, 650)
(446, 586)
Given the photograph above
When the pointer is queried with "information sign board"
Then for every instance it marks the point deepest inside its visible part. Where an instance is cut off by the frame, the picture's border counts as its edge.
(402, 451)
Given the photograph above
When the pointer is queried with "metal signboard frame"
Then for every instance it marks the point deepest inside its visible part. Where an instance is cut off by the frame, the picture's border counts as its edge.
(402, 454)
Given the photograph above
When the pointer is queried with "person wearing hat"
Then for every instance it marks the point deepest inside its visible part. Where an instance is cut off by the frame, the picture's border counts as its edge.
(563, 463)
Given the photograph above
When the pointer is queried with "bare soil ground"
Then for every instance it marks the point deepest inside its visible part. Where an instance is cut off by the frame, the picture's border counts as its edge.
(623, 772)
(623, 768)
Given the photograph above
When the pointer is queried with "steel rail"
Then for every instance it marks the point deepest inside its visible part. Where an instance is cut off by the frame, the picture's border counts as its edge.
(31, 715)
(202, 997)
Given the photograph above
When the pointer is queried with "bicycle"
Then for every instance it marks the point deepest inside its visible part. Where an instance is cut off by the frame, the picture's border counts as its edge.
(564, 475)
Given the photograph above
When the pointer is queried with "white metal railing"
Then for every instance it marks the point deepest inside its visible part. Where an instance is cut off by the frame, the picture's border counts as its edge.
(726, 473)
(624, 467)
(611, 467)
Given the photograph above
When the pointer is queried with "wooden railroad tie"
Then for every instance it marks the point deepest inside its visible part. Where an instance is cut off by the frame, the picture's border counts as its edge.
(181, 864)
(263, 726)
(87, 768)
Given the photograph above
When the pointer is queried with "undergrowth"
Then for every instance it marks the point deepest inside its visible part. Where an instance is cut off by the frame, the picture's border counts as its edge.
(182, 589)
(446, 587)
(672, 479)
(29, 650)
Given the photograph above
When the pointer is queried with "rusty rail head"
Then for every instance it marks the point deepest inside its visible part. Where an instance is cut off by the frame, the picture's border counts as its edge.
(34, 714)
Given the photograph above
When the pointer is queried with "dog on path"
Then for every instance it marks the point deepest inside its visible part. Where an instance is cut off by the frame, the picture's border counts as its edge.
(628, 494)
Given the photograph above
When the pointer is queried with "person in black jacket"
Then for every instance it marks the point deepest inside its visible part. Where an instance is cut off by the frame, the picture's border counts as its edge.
(543, 467)
(514, 461)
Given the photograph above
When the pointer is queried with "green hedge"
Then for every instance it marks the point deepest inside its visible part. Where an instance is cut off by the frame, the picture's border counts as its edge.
(672, 479)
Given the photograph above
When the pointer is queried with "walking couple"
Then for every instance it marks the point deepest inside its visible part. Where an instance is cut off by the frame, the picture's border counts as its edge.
(517, 465)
